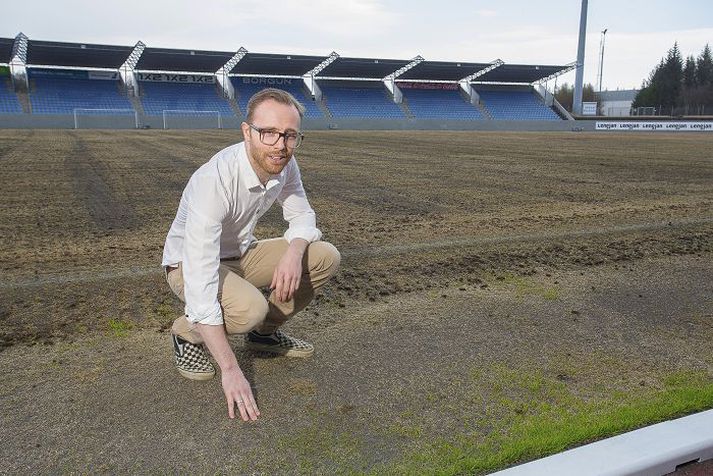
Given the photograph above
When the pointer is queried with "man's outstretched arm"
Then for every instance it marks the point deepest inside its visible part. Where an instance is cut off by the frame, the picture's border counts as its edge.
(235, 386)
(201, 261)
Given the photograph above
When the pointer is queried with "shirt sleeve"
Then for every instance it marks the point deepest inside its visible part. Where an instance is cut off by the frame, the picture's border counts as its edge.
(296, 209)
(207, 206)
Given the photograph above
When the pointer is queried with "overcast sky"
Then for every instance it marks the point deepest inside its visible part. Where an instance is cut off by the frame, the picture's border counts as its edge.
(517, 31)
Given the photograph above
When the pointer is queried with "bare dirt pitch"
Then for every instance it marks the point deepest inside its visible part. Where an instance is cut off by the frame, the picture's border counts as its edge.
(582, 257)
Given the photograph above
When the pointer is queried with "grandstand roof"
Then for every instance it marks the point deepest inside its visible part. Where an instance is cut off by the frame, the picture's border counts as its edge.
(276, 64)
(6, 49)
(375, 68)
(76, 54)
(520, 73)
(164, 59)
(267, 64)
(442, 70)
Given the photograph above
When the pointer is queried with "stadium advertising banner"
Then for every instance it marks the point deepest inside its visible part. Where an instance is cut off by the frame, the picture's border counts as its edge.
(176, 78)
(58, 73)
(441, 86)
(697, 126)
(589, 108)
(104, 75)
(267, 81)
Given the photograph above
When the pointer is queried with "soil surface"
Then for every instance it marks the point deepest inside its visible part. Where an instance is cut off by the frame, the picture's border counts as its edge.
(585, 257)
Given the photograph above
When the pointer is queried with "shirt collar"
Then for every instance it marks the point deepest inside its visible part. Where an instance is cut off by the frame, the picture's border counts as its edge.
(249, 176)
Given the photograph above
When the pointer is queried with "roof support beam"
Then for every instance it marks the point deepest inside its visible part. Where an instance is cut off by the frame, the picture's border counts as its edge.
(390, 80)
(466, 86)
(567, 68)
(549, 97)
(222, 74)
(127, 70)
(310, 79)
(18, 63)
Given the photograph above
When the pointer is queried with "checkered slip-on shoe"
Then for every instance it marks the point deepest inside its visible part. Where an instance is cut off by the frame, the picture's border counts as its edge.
(191, 360)
(278, 343)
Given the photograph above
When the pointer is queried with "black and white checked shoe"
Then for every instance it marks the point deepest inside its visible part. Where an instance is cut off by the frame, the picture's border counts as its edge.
(191, 360)
(278, 343)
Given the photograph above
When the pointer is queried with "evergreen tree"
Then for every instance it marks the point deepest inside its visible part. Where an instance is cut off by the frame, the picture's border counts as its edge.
(648, 95)
(679, 88)
(565, 95)
(689, 73)
(704, 67)
(672, 77)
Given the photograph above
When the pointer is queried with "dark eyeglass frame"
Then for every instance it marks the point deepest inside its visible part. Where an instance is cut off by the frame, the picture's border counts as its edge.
(285, 136)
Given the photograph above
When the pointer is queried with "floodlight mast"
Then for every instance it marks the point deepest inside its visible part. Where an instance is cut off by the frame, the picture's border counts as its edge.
(601, 56)
(579, 78)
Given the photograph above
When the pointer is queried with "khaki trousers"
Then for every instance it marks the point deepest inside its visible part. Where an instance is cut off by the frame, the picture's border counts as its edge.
(243, 304)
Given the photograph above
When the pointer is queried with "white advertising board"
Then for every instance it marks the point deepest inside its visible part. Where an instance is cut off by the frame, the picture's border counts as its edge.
(589, 109)
(661, 126)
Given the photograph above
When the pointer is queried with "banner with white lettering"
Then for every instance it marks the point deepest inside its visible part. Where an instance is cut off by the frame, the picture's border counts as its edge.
(176, 78)
(268, 81)
(57, 73)
(662, 126)
(589, 108)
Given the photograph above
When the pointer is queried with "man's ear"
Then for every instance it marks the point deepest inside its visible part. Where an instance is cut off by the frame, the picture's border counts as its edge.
(246, 131)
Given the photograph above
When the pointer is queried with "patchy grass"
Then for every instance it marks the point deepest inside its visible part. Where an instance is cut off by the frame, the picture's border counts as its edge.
(524, 286)
(541, 416)
(119, 328)
(164, 312)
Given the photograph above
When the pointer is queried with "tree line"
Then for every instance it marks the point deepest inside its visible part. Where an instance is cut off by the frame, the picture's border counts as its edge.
(565, 95)
(678, 87)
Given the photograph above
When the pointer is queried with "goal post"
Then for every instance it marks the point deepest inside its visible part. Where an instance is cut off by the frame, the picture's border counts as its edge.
(96, 118)
(188, 118)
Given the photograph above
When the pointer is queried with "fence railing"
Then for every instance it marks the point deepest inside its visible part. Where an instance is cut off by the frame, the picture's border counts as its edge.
(673, 111)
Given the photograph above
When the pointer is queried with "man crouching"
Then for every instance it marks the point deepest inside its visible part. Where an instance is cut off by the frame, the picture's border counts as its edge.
(214, 264)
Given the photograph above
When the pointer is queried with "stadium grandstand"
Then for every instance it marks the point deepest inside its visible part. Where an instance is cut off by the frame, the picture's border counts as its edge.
(88, 85)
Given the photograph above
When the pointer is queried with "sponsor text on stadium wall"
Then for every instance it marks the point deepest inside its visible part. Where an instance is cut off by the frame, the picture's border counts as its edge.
(655, 126)
(176, 78)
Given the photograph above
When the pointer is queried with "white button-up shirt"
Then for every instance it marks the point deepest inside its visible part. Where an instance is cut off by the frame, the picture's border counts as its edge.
(216, 219)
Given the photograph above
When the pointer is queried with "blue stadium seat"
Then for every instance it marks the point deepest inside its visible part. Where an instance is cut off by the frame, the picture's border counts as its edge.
(244, 90)
(516, 106)
(373, 103)
(157, 97)
(8, 99)
(64, 95)
(440, 104)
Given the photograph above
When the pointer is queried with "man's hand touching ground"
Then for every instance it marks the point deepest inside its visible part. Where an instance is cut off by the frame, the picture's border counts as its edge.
(235, 386)
(238, 392)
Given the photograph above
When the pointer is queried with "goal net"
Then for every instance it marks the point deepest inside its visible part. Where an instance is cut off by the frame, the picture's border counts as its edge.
(189, 119)
(105, 119)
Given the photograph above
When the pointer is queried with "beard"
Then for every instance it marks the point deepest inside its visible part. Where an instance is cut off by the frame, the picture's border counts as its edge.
(270, 161)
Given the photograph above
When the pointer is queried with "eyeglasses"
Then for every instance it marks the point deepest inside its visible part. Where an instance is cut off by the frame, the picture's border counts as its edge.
(270, 137)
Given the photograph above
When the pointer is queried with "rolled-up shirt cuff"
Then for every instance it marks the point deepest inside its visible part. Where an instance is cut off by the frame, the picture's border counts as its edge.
(213, 318)
(309, 234)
